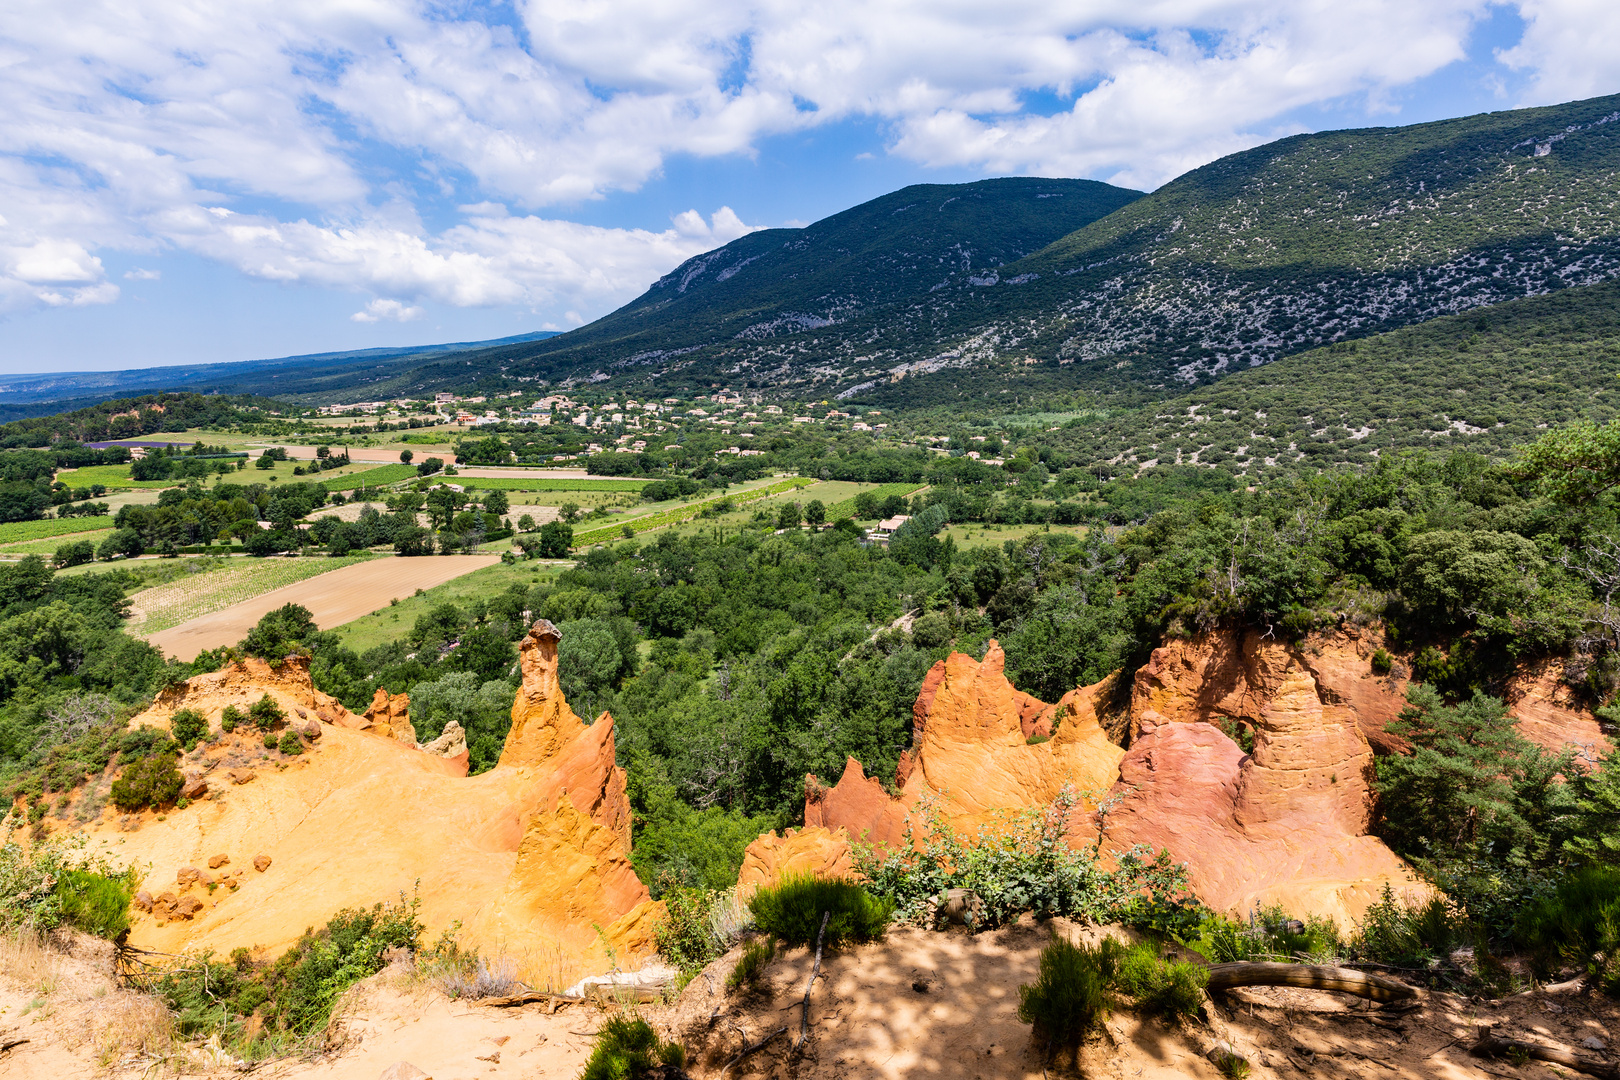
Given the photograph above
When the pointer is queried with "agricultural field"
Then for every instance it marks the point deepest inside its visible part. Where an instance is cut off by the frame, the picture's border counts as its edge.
(219, 583)
(341, 591)
(113, 476)
(833, 493)
(392, 622)
(13, 531)
(975, 535)
(377, 476)
(547, 484)
(679, 512)
(845, 507)
(48, 546)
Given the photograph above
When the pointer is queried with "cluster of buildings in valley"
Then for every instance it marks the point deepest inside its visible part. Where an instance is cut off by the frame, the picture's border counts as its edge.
(724, 410)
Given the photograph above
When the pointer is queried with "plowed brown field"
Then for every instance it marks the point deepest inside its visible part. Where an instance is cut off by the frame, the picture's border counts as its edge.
(334, 599)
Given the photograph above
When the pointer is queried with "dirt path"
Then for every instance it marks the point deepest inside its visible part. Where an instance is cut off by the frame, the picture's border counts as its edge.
(334, 599)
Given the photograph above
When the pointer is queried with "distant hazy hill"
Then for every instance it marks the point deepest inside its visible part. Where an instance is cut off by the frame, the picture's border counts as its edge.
(42, 394)
(1301, 242)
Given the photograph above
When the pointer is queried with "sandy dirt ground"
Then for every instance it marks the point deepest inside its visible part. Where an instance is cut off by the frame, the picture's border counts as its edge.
(916, 1006)
(84, 1025)
(944, 1005)
(334, 599)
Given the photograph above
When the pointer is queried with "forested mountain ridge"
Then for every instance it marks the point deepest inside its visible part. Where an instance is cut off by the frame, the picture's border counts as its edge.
(1320, 237)
(869, 271)
(1298, 243)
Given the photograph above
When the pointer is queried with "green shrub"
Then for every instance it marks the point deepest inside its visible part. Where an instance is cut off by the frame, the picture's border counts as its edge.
(151, 781)
(1168, 988)
(189, 727)
(1268, 935)
(792, 910)
(1578, 924)
(96, 901)
(270, 742)
(1394, 932)
(686, 937)
(266, 713)
(293, 996)
(751, 965)
(1382, 662)
(231, 718)
(28, 899)
(74, 554)
(1071, 995)
(1020, 861)
(628, 1048)
(291, 743)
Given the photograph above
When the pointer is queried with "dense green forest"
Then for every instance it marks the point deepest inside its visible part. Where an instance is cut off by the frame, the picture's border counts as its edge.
(734, 663)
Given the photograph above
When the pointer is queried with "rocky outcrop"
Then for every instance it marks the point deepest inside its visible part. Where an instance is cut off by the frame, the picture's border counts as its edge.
(389, 715)
(531, 857)
(1544, 704)
(1286, 825)
(1234, 675)
(451, 744)
(974, 754)
(812, 850)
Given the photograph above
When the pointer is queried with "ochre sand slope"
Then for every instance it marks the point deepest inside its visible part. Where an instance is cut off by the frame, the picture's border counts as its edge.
(334, 599)
(531, 858)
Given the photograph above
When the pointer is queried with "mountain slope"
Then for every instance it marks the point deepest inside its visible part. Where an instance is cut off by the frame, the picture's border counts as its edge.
(1482, 381)
(1308, 240)
(865, 267)
(1320, 237)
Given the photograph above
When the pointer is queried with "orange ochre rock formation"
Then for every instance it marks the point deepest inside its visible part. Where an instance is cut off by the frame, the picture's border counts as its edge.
(1287, 824)
(532, 857)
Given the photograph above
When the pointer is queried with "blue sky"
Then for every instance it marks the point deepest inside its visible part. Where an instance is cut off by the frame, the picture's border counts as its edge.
(199, 181)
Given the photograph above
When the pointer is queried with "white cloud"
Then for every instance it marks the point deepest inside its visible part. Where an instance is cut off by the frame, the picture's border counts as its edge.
(1569, 46)
(295, 140)
(392, 310)
(139, 274)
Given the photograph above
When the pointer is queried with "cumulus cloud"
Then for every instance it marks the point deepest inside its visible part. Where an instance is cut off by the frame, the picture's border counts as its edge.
(392, 310)
(300, 140)
(138, 274)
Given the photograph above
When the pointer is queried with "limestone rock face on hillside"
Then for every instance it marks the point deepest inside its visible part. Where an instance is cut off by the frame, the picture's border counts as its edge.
(531, 857)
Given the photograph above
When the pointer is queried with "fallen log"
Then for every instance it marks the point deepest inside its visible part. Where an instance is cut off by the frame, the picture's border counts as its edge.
(1309, 977)
(530, 997)
(1488, 1045)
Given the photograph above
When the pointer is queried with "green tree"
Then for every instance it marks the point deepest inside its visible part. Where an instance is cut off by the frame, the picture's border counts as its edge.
(1597, 805)
(1573, 464)
(556, 539)
(1470, 786)
(125, 542)
(405, 457)
(282, 631)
